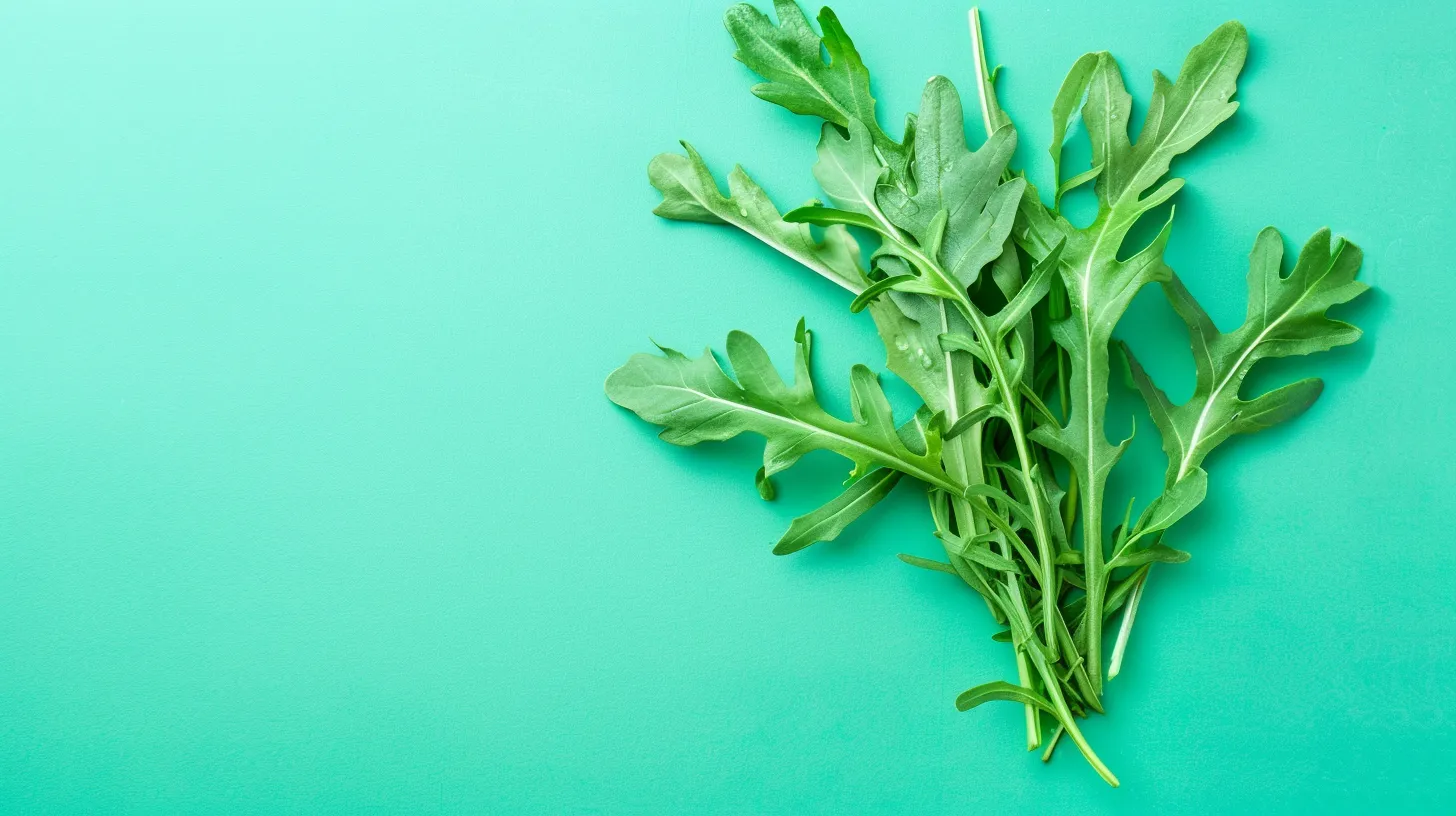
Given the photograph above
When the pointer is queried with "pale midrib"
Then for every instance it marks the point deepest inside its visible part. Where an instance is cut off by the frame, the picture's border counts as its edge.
(742, 223)
(1102, 233)
(1193, 439)
(794, 66)
(1189, 107)
(890, 460)
(979, 48)
(822, 269)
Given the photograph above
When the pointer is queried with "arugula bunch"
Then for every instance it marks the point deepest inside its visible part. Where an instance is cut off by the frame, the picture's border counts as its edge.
(999, 313)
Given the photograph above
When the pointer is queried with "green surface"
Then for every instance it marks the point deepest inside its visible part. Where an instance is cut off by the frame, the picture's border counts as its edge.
(310, 500)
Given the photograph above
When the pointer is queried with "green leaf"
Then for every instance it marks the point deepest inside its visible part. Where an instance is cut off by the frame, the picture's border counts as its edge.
(1156, 553)
(926, 563)
(827, 522)
(1074, 87)
(765, 485)
(876, 289)
(791, 57)
(848, 169)
(1099, 286)
(696, 401)
(976, 549)
(1002, 690)
(1077, 181)
(829, 217)
(972, 418)
(1180, 114)
(1286, 317)
(1176, 502)
(690, 193)
(966, 185)
(1029, 294)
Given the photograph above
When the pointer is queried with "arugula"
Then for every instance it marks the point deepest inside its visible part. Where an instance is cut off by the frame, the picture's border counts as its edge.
(1001, 315)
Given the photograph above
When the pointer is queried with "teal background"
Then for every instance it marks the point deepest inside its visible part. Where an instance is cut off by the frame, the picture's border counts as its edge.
(310, 500)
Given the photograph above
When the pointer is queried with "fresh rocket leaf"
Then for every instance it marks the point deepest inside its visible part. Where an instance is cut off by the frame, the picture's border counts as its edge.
(791, 57)
(1155, 553)
(1007, 345)
(876, 289)
(1074, 87)
(972, 418)
(827, 522)
(963, 184)
(690, 193)
(1099, 286)
(926, 563)
(696, 401)
(1001, 690)
(848, 169)
(1286, 317)
(1176, 502)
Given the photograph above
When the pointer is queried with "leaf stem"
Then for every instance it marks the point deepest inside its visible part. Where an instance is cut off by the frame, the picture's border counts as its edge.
(1033, 717)
(1010, 398)
(979, 46)
(1128, 616)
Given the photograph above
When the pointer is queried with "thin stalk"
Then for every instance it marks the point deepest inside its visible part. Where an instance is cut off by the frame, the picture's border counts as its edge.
(1069, 722)
(1128, 616)
(1033, 717)
(1033, 492)
(1046, 756)
(1054, 693)
(1095, 571)
(963, 568)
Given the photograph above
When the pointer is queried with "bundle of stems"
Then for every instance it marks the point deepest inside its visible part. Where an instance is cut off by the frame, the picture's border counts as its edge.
(999, 312)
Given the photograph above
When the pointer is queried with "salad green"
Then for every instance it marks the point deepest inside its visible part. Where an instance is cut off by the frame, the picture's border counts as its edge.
(1000, 313)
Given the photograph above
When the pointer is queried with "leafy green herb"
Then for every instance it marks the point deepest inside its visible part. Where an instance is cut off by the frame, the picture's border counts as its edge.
(1000, 314)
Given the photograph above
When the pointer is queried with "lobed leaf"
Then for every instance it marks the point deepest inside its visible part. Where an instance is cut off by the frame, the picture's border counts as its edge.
(690, 193)
(696, 401)
(1286, 317)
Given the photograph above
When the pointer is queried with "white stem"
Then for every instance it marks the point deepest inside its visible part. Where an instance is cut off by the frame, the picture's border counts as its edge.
(979, 47)
(1128, 616)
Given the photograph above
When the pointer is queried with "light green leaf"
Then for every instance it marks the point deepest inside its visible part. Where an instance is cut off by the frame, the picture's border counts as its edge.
(1286, 317)
(696, 401)
(966, 185)
(690, 193)
(1074, 87)
(1177, 501)
(848, 169)
(827, 522)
